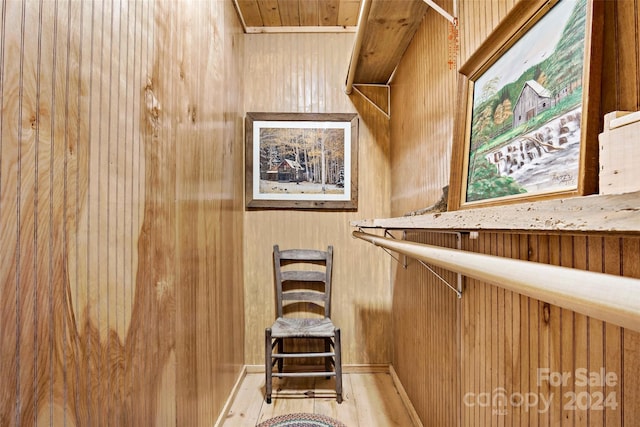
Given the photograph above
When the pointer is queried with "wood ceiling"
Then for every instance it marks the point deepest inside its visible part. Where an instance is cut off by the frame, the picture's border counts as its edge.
(298, 15)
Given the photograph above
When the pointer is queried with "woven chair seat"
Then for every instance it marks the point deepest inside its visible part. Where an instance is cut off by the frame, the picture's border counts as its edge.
(301, 328)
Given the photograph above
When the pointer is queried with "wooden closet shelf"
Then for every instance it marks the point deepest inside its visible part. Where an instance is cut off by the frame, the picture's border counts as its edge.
(385, 30)
(609, 214)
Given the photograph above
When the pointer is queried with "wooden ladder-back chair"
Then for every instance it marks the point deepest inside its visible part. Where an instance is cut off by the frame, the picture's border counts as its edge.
(307, 288)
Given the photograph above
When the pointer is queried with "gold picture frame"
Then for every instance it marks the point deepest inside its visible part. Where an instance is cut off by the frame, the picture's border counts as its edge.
(529, 99)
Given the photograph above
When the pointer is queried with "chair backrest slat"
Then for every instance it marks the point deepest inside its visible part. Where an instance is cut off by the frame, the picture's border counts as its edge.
(298, 275)
(302, 255)
(303, 296)
(304, 276)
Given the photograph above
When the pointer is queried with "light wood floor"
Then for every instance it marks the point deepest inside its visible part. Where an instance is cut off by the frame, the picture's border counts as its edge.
(369, 400)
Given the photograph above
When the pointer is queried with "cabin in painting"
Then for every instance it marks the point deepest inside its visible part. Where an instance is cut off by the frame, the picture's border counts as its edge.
(136, 284)
(287, 170)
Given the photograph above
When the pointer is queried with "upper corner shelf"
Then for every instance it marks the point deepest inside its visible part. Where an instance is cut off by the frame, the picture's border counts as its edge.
(384, 32)
(607, 214)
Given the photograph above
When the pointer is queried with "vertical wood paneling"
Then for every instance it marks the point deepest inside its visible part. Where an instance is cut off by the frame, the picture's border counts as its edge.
(613, 336)
(628, 58)
(596, 328)
(621, 62)
(630, 339)
(505, 337)
(536, 317)
(427, 321)
(422, 110)
(98, 99)
(305, 73)
(556, 339)
(581, 338)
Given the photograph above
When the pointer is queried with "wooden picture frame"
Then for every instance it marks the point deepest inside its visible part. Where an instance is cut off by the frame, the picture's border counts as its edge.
(301, 161)
(528, 119)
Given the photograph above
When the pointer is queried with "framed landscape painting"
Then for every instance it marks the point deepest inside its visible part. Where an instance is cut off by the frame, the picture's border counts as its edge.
(301, 161)
(528, 128)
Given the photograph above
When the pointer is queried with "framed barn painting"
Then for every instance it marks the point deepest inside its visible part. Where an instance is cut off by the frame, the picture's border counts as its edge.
(528, 119)
(301, 161)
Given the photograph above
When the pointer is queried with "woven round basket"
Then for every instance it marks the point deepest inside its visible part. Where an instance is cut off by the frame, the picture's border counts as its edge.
(301, 420)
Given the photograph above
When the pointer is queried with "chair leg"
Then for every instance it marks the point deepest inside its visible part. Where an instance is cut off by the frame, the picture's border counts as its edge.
(280, 350)
(327, 360)
(268, 364)
(338, 364)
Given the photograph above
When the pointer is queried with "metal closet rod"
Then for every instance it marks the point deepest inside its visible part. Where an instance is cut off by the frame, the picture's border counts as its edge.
(614, 299)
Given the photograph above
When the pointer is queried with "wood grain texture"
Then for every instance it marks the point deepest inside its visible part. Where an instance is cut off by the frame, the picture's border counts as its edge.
(289, 12)
(370, 399)
(388, 30)
(616, 214)
(269, 13)
(422, 107)
(504, 337)
(622, 63)
(305, 73)
(249, 11)
(98, 277)
(309, 12)
(348, 13)
(493, 360)
(299, 13)
(425, 315)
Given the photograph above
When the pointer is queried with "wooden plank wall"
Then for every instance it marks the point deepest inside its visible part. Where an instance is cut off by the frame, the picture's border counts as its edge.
(422, 123)
(306, 73)
(425, 335)
(621, 69)
(513, 337)
(120, 189)
(503, 337)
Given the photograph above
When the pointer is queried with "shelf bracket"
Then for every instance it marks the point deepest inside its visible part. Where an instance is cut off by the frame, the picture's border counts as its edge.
(403, 264)
(387, 113)
(442, 279)
(457, 289)
(443, 12)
